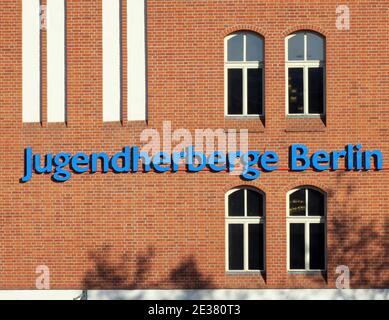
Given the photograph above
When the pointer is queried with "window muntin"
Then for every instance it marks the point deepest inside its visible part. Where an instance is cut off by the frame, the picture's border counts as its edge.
(305, 74)
(245, 232)
(306, 229)
(244, 74)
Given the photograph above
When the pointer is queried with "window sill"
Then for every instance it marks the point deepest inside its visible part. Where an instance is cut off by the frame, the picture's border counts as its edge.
(307, 272)
(244, 273)
(305, 116)
(241, 117)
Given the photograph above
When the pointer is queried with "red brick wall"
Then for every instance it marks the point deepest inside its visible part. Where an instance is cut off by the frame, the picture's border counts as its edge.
(168, 230)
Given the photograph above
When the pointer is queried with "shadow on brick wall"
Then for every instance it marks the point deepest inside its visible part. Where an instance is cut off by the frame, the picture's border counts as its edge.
(117, 275)
(358, 241)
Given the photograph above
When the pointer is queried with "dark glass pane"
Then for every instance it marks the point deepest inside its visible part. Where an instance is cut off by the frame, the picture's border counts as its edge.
(315, 203)
(235, 91)
(254, 45)
(296, 90)
(235, 48)
(316, 90)
(256, 252)
(254, 94)
(235, 247)
(296, 47)
(297, 246)
(297, 203)
(254, 204)
(236, 204)
(315, 47)
(316, 246)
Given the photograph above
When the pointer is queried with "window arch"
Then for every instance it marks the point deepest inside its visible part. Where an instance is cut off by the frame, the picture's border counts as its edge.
(244, 76)
(305, 73)
(245, 230)
(306, 229)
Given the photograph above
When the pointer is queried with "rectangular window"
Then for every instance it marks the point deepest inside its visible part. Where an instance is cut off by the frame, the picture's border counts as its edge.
(316, 246)
(316, 90)
(254, 91)
(296, 90)
(31, 48)
(56, 90)
(111, 60)
(256, 252)
(136, 60)
(297, 246)
(235, 91)
(236, 247)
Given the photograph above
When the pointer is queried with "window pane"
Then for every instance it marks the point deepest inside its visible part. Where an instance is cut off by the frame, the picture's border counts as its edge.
(235, 48)
(254, 204)
(256, 252)
(254, 45)
(236, 204)
(296, 47)
(315, 47)
(297, 246)
(254, 94)
(315, 203)
(235, 247)
(296, 90)
(316, 94)
(316, 246)
(297, 203)
(235, 91)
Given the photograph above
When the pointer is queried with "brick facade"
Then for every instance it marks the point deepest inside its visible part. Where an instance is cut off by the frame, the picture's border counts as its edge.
(168, 230)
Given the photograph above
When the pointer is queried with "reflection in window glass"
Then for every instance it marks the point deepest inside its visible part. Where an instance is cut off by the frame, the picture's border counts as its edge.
(254, 47)
(235, 48)
(296, 90)
(297, 203)
(315, 47)
(296, 47)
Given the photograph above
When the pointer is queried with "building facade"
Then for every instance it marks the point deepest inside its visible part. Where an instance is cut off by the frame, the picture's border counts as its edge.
(91, 76)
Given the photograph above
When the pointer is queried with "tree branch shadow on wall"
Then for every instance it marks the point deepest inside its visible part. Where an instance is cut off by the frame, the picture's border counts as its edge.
(358, 243)
(108, 275)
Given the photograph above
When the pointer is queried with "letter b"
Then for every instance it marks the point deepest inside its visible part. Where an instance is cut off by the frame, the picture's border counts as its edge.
(299, 153)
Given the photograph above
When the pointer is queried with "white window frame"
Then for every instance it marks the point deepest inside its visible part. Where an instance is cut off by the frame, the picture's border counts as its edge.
(305, 65)
(306, 220)
(245, 221)
(244, 66)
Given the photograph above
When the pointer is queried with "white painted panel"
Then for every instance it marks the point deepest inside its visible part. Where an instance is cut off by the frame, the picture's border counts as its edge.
(220, 294)
(56, 90)
(31, 61)
(111, 60)
(136, 73)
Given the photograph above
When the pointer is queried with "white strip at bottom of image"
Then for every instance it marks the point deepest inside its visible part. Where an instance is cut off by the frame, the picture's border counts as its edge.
(223, 294)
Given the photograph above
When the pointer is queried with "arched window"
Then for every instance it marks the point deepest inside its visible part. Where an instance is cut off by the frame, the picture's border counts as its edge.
(244, 76)
(306, 229)
(245, 232)
(305, 74)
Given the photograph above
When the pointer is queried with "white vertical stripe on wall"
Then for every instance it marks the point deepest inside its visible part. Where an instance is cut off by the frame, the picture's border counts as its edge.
(31, 61)
(56, 61)
(136, 46)
(111, 60)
